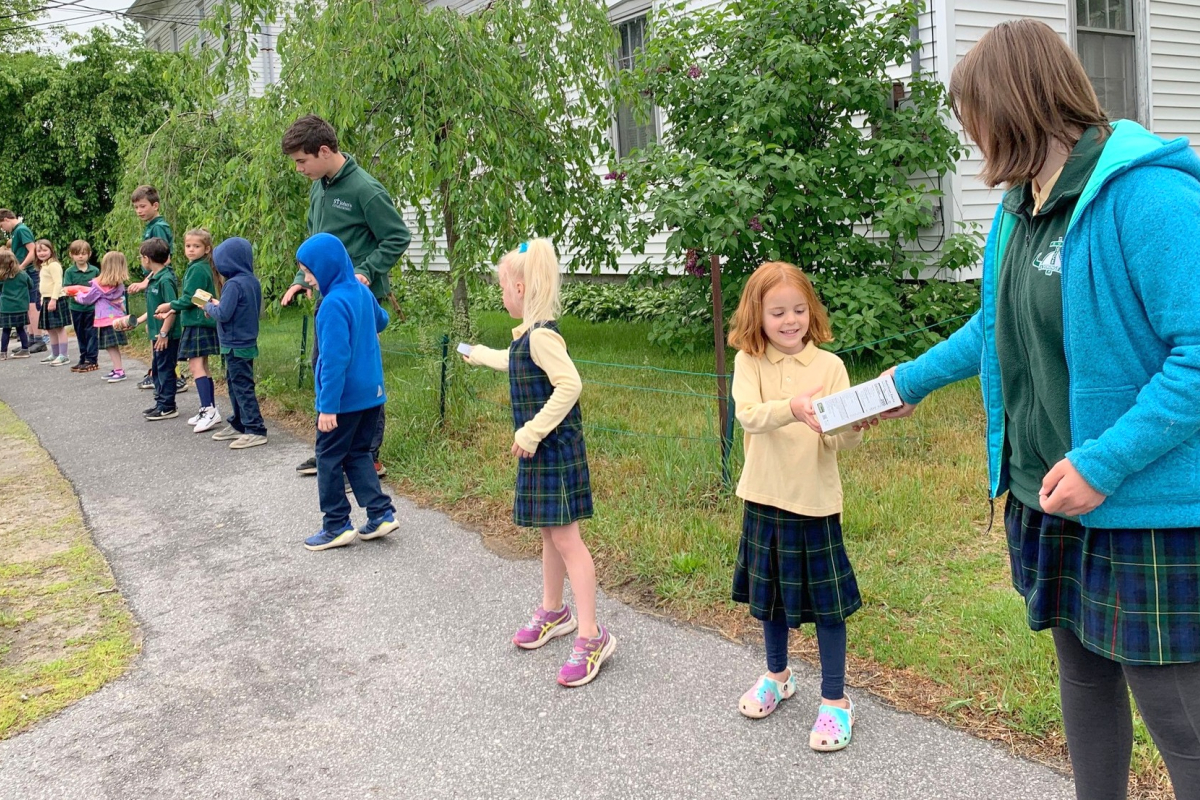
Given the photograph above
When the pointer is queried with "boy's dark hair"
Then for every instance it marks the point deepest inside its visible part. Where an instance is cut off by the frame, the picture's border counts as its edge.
(147, 193)
(6, 214)
(156, 250)
(308, 134)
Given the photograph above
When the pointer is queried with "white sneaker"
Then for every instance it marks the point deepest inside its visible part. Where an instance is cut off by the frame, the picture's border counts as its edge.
(209, 417)
(194, 419)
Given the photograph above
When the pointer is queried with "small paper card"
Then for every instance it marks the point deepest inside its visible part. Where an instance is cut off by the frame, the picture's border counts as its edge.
(864, 401)
(200, 298)
(465, 349)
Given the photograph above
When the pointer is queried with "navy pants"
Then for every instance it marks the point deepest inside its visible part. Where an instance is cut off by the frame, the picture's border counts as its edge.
(377, 437)
(831, 644)
(164, 375)
(239, 379)
(84, 323)
(347, 449)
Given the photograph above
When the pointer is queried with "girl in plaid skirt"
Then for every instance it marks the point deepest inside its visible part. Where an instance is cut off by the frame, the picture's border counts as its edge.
(55, 312)
(198, 339)
(553, 486)
(1087, 345)
(792, 567)
(14, 297)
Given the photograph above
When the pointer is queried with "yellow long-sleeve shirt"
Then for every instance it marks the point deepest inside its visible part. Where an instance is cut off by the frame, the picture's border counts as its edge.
(50, 279)
(549, 351)
(788, 465)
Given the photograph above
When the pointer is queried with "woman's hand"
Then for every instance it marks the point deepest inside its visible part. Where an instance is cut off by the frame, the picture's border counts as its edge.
(802, 408)
(1066, 494)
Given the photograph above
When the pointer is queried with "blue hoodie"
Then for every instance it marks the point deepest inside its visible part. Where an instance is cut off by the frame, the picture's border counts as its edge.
(1131, 331)
(241, 297)
(349, 372)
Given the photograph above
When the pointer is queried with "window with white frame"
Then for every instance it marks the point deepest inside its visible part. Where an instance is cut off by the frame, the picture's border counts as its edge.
(1106, 39)
(632, 131)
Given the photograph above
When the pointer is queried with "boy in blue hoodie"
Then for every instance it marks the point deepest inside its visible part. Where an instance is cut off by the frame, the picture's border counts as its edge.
(237, 314)
(350, 396)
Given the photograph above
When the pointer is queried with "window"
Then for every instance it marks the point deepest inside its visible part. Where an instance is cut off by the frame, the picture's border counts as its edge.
(1106, 39)
(633, 133)
(174, 38)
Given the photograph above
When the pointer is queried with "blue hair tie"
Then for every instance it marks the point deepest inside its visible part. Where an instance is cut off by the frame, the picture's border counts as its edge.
(523, 247)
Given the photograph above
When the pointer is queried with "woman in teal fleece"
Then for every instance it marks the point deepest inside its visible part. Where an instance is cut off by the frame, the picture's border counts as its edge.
(1087, 345)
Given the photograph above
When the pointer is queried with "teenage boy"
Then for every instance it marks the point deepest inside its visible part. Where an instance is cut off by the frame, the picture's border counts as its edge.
(161, 287)
(20, 241)
(348, 378)
(147, 205)
(354, 207)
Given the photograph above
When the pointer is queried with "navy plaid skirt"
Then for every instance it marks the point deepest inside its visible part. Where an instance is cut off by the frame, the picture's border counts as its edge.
(554, 487)
(794, 567)
(108, 336)
(60, 317)
(14, 320)
(1132, 596)
(197, 341)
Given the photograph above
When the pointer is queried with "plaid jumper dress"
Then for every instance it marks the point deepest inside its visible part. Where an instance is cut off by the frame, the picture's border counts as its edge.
(554, 487)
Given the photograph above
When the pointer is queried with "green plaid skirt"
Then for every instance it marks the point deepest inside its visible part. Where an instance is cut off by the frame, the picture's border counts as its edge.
(60, 317)
(554, 487)
(197, 341)
(794, 567)
(108, 336)
(14, 319)
(1132, 596)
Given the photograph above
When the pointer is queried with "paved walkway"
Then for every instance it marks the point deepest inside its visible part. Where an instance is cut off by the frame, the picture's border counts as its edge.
(384, 669)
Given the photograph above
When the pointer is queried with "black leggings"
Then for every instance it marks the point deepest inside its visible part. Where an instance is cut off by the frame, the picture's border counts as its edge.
(1099, 724)
(4, 337)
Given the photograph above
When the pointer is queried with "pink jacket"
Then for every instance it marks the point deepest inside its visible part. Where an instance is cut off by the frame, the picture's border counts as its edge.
(109, 302)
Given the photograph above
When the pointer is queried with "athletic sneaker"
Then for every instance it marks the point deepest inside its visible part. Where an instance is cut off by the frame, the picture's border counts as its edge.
(49, 357)
(148, 411)
(226, 434)
(209, 417)
(584, 663)
(247, 440)
(325, 540)
(192, 420)
(544, 626)
(116, 376)
(307, 467)
(78, 367)
(20, 352)
(90, 367)
(61, 361)
(162, 413)
(380, 469)
(38, 347)
(377, 528)
(147, 382)
(181, 385)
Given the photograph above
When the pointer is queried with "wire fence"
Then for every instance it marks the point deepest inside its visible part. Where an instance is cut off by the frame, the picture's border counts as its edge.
(438, 356)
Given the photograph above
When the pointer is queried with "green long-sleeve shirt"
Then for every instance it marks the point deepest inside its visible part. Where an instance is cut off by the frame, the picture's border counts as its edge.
(163, 288)
(14, 294)
(198, 275)
(74, 276)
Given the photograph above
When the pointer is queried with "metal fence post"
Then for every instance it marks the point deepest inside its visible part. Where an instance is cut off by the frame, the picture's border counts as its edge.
(445, 365)
(303, 352)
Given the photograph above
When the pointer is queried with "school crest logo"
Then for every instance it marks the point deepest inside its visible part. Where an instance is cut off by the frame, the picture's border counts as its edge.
(1050, 263)
(342, 205)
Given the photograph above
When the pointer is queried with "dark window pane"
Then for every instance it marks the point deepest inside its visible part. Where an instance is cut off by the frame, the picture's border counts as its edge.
(1109, 62)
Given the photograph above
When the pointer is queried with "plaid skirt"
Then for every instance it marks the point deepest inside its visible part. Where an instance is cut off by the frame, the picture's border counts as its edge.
(553, 488)
(794, 567)
(60, 317)
(1132, 596)
(197, 341)
(108, 336)
(14, 320)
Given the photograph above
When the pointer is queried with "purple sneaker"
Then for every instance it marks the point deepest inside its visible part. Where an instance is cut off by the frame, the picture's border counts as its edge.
(544, 626)
(584, 664)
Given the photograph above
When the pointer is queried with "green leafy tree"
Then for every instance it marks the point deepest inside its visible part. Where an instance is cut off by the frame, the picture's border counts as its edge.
(65, 121)
(17, 24)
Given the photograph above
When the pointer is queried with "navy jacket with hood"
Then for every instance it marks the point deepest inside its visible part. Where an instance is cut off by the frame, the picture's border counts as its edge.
(349, 372)
(241, 297)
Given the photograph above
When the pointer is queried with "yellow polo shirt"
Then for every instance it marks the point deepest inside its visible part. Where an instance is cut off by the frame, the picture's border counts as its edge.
(789, 465)
(549, 351)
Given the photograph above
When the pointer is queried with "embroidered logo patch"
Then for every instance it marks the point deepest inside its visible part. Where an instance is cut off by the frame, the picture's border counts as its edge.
(342, 205)
(1050, 263)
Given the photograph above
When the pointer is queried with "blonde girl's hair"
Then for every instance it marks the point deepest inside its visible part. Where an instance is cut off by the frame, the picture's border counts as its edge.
(746, 327)
(1017, 89)
(535, 264)
(114, 269)
(8, 264)
(49, 246)
(206, 238)
(79, 247)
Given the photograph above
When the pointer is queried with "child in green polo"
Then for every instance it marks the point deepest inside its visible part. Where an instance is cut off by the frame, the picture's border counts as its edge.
(83, 317)
(161, 287)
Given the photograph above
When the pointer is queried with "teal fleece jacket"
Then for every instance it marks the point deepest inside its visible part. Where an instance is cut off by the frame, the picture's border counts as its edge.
(1131, 331)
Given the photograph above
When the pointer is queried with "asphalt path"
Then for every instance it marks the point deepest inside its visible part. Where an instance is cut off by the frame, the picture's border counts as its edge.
(385, 669)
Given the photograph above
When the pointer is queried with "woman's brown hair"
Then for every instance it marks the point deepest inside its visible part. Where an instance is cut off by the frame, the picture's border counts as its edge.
(746, 327)
(1015, 91)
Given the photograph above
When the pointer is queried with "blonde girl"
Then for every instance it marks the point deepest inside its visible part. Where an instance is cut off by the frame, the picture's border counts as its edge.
(792, 567)
(107, 294)
(55, 314)
(553, 485)
(199, 338)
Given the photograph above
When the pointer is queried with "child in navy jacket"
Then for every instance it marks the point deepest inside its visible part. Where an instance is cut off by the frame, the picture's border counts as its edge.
(236, 314)
(350, 395)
